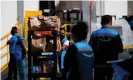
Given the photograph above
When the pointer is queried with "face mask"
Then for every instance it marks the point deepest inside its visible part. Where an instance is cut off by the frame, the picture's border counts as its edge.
(16, 34)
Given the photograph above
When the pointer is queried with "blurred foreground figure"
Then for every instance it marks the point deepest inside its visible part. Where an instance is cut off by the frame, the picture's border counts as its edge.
(106, 44)
(78, 62)
(128, 63)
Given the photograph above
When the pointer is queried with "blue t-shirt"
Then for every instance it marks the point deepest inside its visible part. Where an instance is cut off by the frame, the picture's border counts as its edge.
(62, 58)
(18, 53)
(63, 53)
(64, 39)
(78, 62)
(12, 44)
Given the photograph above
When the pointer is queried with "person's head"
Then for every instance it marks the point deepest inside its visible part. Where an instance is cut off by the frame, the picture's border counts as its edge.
(130, 18)
(14, 30)
(79, 31)
(62, 30)
(106, 20)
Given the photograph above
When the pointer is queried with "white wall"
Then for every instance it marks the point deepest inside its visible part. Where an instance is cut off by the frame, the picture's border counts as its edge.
(0, 21)
(8, 16)
(8, 19)
(31, 5)
(100, 7)
(118, 8)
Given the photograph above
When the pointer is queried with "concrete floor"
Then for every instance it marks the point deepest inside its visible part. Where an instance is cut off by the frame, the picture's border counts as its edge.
(4, 74)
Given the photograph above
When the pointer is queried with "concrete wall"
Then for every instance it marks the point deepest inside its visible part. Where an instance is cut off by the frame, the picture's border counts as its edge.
(8, 15)
(118, 8)
(130, 7)
(69, 4)
(85, 8)
(31, 5)
(20, 12)
(100, 7)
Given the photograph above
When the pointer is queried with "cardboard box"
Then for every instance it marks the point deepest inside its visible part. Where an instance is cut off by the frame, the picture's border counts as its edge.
(39, 45)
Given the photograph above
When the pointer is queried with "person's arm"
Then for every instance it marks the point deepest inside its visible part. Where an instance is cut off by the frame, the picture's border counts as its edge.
(69, 60)
(91, 41)
(10, 41)
(58, 44)
(118, 44)
(23, 45)
(65, 45)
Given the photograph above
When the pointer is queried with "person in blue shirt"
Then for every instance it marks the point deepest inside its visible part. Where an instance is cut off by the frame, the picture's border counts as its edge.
(17, 50)
(106, 44)
(78, 62)
(12, 62)
(20, 55)
(65, 45)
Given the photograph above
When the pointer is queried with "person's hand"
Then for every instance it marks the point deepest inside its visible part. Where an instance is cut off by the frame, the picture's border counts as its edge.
(8, 42)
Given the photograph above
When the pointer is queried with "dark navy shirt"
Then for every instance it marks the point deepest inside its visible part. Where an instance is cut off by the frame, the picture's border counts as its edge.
(78, 63)
(106, 44)
(131, 25)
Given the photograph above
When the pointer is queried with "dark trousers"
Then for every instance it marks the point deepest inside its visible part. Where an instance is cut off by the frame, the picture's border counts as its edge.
(131, 76)
(128, 65)
(103, 73)
(12, 74)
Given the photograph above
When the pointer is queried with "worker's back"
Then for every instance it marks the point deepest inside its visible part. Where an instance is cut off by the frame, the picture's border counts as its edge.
(85, 60)
(79, 58)
(106, 44)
